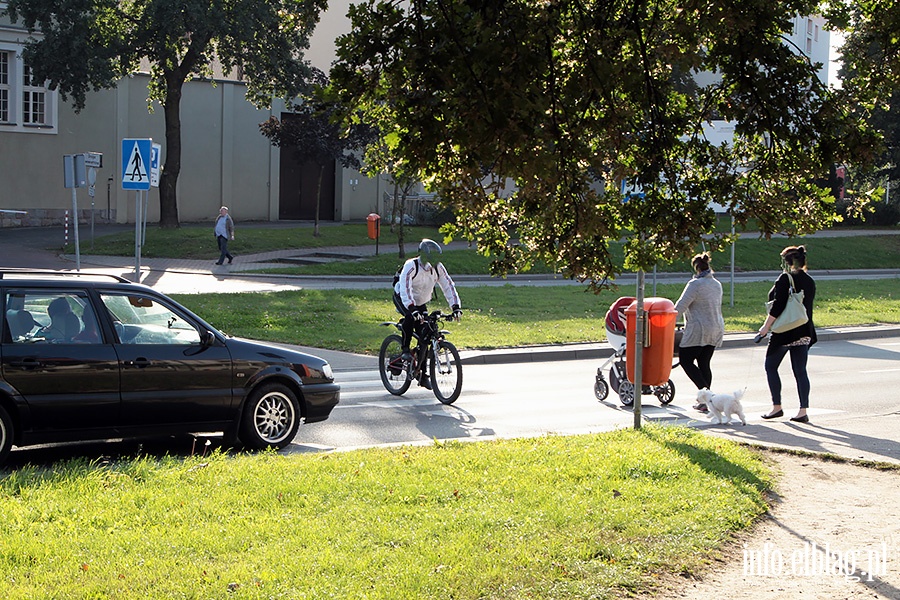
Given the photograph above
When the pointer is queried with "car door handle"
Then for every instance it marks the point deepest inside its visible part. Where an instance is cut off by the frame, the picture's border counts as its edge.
(140, 363)
(26, 363)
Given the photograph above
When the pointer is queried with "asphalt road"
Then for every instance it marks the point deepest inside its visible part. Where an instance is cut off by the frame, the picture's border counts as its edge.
(854, 413)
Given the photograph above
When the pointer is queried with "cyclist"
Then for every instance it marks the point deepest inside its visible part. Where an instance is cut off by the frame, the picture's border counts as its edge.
(415, 287)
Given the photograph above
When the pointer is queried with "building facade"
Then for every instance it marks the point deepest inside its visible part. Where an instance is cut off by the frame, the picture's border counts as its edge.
(225, 158)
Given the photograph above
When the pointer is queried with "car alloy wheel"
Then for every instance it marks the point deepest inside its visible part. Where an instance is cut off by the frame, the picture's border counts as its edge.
(272, 417)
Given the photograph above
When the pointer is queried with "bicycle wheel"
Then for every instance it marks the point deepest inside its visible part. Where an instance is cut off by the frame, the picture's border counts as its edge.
(446, 373)
(394, 373)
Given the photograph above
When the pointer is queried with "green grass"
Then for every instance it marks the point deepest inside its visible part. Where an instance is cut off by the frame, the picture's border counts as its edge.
(555, 517)
(198, 241)
(751, 254)
(506, 316)
(458, 262)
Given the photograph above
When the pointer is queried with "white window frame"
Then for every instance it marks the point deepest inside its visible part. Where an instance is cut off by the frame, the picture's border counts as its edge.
(34, 100)
(5, 86)
(29, 108)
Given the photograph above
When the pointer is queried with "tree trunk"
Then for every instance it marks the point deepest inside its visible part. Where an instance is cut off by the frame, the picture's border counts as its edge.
(168, 203)
(394, 211)
(318, 199)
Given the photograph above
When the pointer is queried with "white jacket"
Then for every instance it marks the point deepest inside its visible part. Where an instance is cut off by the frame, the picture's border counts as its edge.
(416, 286)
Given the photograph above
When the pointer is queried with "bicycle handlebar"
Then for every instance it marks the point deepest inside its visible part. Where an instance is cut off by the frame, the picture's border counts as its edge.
(435, 315)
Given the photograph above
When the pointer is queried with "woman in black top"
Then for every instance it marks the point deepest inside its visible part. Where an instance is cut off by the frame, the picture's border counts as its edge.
(796, 341)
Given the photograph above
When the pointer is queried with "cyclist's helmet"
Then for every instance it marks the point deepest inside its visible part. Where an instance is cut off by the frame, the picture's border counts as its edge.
(427, 248)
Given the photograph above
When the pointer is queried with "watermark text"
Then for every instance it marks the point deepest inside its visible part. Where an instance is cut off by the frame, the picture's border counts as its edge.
(813, 560)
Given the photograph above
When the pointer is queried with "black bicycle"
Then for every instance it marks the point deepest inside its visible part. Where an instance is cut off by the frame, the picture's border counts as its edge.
(432, 355)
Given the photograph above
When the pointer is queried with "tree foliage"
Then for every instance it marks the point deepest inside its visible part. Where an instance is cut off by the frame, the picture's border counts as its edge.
(528, 117)
(871, 74)
(88, 45)
(871, 49)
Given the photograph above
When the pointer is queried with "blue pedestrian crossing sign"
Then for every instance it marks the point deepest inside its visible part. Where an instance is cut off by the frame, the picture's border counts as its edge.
(136, 162)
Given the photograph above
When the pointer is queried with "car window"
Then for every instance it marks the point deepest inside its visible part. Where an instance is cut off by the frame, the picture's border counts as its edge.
(48, 316)
(140, 319)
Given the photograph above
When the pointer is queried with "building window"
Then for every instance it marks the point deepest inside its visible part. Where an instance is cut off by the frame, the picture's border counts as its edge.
(816, 34)
(4, 87)
(26, 105)
(809, 27)
(808, 47)
(34, 99)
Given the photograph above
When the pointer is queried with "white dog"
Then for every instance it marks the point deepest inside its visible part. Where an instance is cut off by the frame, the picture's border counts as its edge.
(722, 406)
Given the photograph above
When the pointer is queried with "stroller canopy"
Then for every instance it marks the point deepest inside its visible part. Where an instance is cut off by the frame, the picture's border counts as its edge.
(615, 316)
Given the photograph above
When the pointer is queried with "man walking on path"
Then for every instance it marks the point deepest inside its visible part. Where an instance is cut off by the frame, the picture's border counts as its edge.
(224, 232)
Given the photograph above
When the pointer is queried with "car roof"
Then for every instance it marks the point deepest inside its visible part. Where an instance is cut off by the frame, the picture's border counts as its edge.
(48, 278)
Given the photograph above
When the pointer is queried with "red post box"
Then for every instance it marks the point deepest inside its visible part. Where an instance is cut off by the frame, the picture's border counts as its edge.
(659, 340)
(373, 222)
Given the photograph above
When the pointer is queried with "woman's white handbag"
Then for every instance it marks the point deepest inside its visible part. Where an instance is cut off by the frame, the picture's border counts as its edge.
(794, 313)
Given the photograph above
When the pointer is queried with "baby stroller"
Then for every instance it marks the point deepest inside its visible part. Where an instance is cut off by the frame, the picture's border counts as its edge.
(615, 336)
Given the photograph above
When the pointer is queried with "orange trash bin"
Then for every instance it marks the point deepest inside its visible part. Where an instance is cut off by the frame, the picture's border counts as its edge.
(373, 221)
(659, 340)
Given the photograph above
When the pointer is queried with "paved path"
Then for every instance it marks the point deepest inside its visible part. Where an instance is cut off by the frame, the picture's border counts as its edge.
(180, 275)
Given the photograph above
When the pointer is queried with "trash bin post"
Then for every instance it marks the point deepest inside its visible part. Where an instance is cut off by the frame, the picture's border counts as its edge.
(658, 341)
(373, 222)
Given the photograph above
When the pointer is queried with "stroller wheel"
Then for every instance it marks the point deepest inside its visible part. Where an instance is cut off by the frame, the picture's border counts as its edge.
(601, 388)
(665, 393)
(614, 375)
(626, 393)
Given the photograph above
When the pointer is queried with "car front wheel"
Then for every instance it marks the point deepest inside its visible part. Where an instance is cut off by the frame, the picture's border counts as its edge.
(271, 417)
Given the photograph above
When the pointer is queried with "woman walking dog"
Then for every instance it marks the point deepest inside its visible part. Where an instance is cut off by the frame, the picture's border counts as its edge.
(795, 341)
(704, 327)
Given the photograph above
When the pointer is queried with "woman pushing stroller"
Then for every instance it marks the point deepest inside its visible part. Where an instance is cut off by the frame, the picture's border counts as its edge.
(700, 305)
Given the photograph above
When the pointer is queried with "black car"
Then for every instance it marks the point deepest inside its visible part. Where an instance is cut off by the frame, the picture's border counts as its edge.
(97, 357)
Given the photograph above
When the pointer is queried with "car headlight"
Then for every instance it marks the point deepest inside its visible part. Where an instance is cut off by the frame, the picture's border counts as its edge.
(326, 370)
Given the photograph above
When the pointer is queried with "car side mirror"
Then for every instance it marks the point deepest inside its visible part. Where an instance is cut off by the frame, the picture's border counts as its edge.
(207, 338)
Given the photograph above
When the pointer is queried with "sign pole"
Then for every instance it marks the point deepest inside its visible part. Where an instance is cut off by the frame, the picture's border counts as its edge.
(75, 227)
(137, 236)
(136, 175)
(92, 179)
(75, 176)
(144, 216)
(639, 318)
